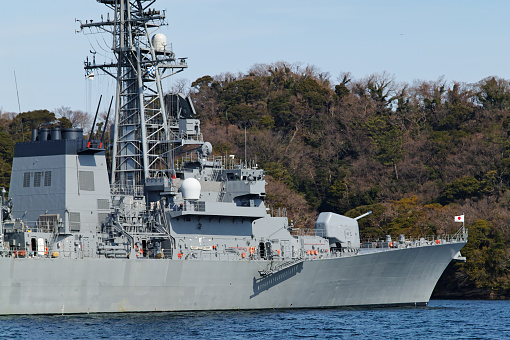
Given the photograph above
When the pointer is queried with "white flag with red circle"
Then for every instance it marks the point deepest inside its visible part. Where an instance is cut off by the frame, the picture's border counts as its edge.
(459, 218)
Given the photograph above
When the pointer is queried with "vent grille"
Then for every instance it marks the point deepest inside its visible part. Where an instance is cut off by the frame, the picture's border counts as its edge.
(26, 180)
(87, 180)
(37, 179)
(47, 178)
(103, 204)
(101, 218)
(48, 223)
(74, 219)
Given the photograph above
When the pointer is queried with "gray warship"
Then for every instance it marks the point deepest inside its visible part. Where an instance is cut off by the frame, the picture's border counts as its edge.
(169, 226)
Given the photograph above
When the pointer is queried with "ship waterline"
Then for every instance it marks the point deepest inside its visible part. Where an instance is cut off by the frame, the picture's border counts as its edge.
(53, 286)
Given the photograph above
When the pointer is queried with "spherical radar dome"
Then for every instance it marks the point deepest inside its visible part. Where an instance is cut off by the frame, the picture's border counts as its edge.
(159, 42)
(191, 188)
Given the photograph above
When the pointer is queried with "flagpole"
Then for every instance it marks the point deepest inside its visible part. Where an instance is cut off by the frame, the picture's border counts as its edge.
(463, 226)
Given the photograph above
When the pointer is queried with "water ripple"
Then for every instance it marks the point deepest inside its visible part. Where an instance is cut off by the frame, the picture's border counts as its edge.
(442, 319)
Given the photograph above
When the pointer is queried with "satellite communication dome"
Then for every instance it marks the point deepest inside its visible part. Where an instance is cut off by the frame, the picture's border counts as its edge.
(191, 189)
(159, 42)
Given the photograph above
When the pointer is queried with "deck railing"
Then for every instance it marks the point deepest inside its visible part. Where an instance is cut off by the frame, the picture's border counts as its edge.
(460, 236)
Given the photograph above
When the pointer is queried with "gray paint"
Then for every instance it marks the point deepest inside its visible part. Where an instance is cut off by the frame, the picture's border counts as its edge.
(393, 277)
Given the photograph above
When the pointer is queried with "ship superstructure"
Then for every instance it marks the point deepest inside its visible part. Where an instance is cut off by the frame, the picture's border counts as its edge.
(174, 227)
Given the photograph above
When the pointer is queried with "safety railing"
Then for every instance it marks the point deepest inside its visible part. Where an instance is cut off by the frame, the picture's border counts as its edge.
(133, 190)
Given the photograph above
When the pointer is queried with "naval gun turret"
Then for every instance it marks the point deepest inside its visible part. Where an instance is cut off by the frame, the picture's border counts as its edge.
(342, 231)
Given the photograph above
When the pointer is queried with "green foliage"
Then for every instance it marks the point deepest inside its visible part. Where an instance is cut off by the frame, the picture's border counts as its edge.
(267, 121)
(432, 102)
(341, 90)
(408, 211)
(387, 139)
(65, 123)
(365, 197)
(316, 95)
(5, 174)
(33, 119)
(204, 81)
(468, 187)
(281, 109)
(340, 197)
(336, 193)
(6, 147)
(241, 113)
(458, 109)
(487, 256)
(506, 125)
(244, 91)
(278, 172)
(370, 226)
(462, 188)
(241, 100)
(494, 93)
(223, 148)
(6, 154)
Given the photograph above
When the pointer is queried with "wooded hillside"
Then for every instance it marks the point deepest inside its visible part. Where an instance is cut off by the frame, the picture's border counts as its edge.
(414, 154)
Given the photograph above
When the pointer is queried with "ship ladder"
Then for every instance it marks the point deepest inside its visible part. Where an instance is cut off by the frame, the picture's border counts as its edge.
(279, 268)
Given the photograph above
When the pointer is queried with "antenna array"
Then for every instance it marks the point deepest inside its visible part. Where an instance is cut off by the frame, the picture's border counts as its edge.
(143, 128)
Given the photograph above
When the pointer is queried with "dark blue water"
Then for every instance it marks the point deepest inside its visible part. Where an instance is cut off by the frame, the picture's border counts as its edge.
(440, 320)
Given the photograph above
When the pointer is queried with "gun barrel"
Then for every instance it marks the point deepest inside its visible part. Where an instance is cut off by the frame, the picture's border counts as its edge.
(361, 216)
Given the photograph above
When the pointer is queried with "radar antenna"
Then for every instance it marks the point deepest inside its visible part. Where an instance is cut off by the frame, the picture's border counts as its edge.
(143, 128)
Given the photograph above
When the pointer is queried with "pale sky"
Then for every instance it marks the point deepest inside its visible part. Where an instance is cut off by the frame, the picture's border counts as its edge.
(462, 40)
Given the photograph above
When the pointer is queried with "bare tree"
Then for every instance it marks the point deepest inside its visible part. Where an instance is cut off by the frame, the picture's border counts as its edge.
(78, 118)
(181, 85)
(6, 119)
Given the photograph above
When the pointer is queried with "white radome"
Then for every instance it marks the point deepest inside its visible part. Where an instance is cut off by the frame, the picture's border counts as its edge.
(159, 42)
(191, 189)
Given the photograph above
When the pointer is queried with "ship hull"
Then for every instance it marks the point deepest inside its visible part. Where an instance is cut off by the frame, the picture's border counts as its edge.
(54, 286)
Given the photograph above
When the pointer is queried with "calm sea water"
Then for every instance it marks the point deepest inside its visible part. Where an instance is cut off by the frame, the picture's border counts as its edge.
(440, 320)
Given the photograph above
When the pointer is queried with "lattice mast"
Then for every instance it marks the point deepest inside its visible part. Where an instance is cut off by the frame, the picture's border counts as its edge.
(141, 60)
